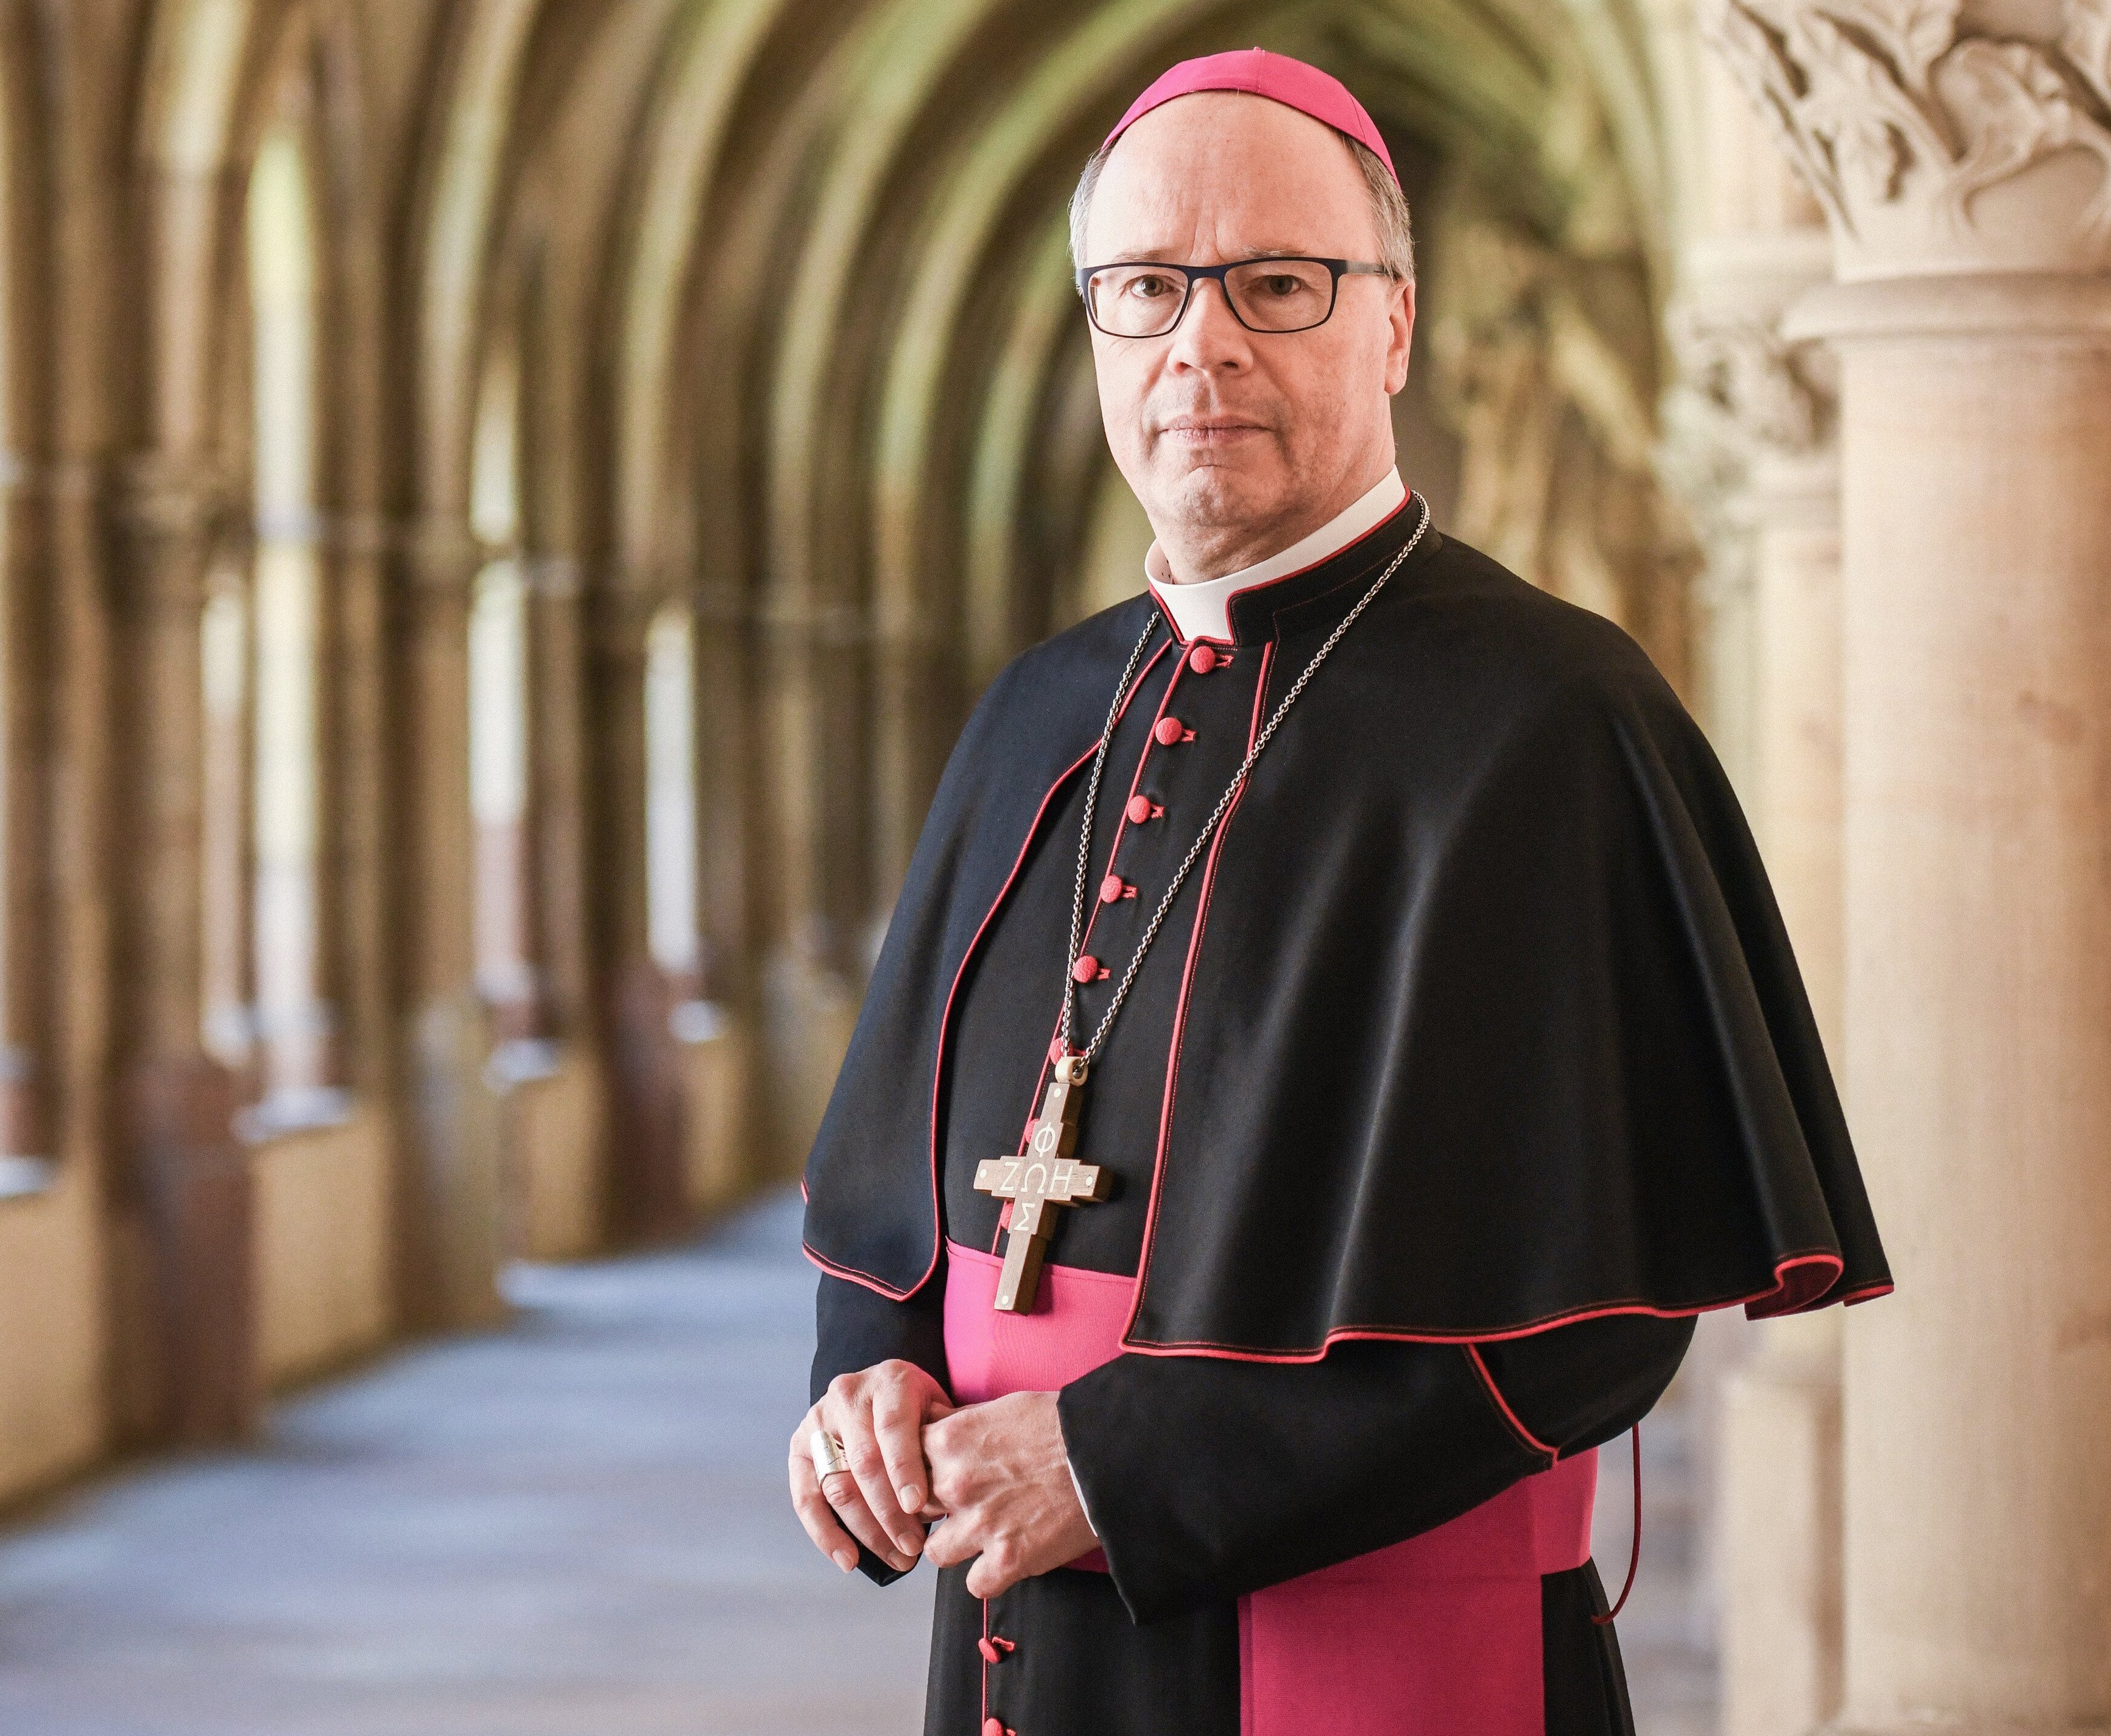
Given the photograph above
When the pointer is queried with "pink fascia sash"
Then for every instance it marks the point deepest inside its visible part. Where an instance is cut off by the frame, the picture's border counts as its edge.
(1438, 1636)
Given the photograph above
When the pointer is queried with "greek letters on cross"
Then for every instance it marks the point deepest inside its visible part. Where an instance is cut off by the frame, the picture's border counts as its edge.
(1040, 1176)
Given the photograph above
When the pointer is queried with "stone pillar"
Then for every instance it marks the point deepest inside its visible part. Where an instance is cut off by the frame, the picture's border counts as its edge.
(447, 1196)
(1967, 178)
(1764, 451)
(916, 714)
(185, 1356)
(1779, 1536)
(28, 950)
(722, 1102)
(809, 713)
(1778, 1515)
(647, 1197)
(556, 849)
(358, 792)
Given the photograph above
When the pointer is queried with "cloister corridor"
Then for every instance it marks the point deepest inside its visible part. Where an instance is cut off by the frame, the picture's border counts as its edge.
(507, 507)
(569, 1526)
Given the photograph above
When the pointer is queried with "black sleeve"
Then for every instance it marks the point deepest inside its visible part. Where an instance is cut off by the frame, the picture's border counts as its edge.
(854, 1328)
(1207, 1478)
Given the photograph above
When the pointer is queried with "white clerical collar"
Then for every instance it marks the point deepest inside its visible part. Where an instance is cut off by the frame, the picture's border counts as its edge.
(1203, 610)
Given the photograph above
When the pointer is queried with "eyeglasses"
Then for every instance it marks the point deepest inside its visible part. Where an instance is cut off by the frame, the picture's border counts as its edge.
(1146, 299)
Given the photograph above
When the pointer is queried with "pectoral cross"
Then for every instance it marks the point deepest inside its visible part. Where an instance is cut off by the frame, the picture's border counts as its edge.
(1040, 1176)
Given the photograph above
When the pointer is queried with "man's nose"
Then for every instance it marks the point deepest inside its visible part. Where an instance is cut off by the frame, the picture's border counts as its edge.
(1208, 336)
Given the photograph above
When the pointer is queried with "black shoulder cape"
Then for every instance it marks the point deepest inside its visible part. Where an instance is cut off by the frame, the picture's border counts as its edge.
(1491, 1022)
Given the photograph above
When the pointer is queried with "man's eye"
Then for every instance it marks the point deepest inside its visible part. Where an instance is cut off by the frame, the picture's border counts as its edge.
(1150, 286)
(1282, 283)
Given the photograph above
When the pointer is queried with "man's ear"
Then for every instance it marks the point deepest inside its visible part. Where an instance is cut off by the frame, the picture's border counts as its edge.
(1402, 338)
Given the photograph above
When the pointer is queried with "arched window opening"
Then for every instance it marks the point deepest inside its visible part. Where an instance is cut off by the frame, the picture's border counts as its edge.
(230, 988)
(294, 1021)
(671, 815)
(500, 784)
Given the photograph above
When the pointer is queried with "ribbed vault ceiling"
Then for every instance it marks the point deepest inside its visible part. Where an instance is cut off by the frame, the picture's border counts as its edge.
(825, 300)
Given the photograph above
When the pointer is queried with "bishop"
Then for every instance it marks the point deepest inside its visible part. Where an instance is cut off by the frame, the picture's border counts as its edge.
(1447, 1056)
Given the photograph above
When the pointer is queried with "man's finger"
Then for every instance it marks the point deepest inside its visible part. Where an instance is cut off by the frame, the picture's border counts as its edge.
(897, 1427)
(853, 1425)
(843, 1493)
(953, 1542)
(815, 1514)
(995, 1572)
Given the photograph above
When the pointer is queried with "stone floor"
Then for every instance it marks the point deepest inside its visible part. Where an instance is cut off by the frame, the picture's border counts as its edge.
(574, 1526)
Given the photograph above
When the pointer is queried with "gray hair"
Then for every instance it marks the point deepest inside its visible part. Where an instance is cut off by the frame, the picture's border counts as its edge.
(1388, 208)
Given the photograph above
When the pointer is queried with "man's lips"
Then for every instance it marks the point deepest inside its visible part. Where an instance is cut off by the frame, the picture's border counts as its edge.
(1199, 430)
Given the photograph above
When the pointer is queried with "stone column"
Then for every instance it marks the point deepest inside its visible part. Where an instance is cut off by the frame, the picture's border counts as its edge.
(1967, 178)
(358, 793)
(646, 1191)
(185, 1356)
(556, 850)
(1777, 1527)
(1779, 1533)
(722, 1100)
(448, 1196)
(1760, 442)
(28, 951)
(916, 714)
(810, 911)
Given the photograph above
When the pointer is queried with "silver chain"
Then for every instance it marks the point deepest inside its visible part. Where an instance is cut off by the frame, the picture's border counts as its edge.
(1091, 1050)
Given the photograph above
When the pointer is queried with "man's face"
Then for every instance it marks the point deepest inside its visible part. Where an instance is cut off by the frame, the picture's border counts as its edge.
(1216, 428)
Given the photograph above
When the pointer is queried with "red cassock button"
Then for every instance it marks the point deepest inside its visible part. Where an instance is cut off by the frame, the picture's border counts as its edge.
(1086, 969)
(1169, 730)
(1139, 810)
(990, 1727)
(1111, 889)
(1202, 659)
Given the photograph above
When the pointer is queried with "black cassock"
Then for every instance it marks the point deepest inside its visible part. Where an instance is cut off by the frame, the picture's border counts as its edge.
(1471, 1063)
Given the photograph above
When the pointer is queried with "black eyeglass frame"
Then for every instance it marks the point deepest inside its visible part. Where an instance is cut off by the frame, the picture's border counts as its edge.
(1338, 269)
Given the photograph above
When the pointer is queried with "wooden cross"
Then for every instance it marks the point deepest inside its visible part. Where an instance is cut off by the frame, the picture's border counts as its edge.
(1040, 1176)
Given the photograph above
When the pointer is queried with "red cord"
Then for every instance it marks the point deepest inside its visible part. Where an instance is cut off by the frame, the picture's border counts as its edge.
(1635, 1557)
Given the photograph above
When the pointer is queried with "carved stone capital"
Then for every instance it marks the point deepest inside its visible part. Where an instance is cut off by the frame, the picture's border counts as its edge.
(620, 615)
(440, 554)
(1752, 419)
(1776, 395)
(1935, 141)
(168, 513)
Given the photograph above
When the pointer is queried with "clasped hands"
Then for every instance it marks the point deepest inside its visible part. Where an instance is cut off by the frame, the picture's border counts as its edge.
(995, 1473)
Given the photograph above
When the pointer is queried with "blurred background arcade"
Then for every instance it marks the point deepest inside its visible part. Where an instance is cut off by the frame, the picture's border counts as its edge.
(504, 504)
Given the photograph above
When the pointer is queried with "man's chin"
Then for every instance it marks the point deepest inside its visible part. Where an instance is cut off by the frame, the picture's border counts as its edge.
(1212, 493)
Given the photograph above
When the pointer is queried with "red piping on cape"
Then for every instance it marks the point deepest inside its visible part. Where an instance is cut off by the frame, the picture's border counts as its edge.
(1173, 626)
(946, 1017)
(1237, 1353)
(1180, 1007)
(1485, 1335)
(1511, 1417)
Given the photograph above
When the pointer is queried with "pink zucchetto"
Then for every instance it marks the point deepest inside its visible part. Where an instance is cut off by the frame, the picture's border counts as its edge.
(1276, 76)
